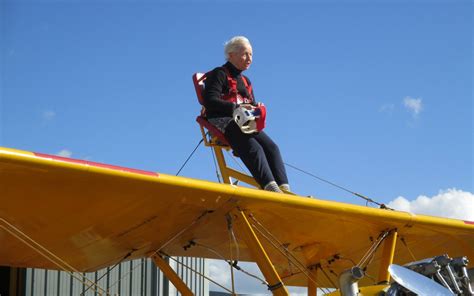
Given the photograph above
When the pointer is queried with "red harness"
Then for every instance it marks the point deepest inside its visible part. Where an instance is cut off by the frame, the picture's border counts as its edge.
(233, 94)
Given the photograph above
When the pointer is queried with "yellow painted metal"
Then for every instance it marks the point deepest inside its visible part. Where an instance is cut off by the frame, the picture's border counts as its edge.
(222, 165)
(387, 256)
(312, 287)
(91, 216)
(171, 275)
(258, 253)
(242, 177)
(227, 172)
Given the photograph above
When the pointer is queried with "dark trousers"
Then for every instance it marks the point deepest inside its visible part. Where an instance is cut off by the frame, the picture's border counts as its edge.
(259, 153)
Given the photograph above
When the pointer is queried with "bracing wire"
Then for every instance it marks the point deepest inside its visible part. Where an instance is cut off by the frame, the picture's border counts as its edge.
(259, 225)
(278, 246)
(369, 255)
(327, 276)
(192, 153)
(368, 200)
(215, 166)
(296, 262)
(232, 238)
(50, 256)
(179, 233)
(409, 251)
(231, 263)
(126, 274)
(197, 272)
(108, 272)
(235, 161)
(237, 255)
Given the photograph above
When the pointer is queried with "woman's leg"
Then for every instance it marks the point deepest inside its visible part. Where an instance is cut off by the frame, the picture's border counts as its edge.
(251, 153)
(273, 155)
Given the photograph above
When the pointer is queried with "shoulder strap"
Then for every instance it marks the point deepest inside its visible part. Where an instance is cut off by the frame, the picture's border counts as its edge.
(232, 82)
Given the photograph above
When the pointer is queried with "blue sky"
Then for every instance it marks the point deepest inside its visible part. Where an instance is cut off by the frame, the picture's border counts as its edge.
(374, 96)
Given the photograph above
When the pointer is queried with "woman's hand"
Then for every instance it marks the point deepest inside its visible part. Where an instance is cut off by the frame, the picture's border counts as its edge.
(247, 106)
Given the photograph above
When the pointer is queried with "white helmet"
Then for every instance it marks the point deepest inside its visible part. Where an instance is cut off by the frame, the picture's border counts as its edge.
(249, 118)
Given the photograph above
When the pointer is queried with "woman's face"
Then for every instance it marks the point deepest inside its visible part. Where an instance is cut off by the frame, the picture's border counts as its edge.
(242, 58)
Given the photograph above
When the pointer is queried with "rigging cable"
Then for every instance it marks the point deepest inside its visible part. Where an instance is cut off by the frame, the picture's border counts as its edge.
(236, 161)
(179, 171)
(409, 251)
(302, 268)
(50, 256)
(127, 273)
(108, 272)
(367, 199)
(229, 227)
(369, 255)
(232, 264)
(195, 271)
(326, 275)
(278, 245)
(215, 166)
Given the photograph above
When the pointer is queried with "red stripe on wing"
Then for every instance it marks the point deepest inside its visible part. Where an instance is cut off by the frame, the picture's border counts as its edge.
(96, 164)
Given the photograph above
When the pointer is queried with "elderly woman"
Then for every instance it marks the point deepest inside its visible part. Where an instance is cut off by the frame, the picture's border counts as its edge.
(226, 88)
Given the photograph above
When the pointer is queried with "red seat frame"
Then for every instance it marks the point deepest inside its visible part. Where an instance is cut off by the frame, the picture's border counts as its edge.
(198, 79)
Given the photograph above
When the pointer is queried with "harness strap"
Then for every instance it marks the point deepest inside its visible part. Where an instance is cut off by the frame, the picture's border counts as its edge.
(233, 84)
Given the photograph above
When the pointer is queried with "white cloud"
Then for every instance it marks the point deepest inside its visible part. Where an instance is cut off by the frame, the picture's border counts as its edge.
(48, 114)
(64, 153)
(415, 106)
(451, 203)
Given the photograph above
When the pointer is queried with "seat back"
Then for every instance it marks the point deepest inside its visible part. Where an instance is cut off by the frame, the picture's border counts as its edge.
(198, 79)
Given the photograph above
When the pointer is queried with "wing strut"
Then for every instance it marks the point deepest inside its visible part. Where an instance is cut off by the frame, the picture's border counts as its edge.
(171, 275)
(312, 287)
(387, 256)
(275, 284)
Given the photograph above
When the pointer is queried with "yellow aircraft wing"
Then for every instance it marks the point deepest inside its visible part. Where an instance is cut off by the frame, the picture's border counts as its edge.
(88, 216)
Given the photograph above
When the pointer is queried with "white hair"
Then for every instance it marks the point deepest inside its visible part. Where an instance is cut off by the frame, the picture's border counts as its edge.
(235, 44)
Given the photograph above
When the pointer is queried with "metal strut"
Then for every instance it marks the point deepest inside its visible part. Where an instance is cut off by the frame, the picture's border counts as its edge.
(387, 256)
(275, 284)
(171, 275)
(312, 287)
(227, 173)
